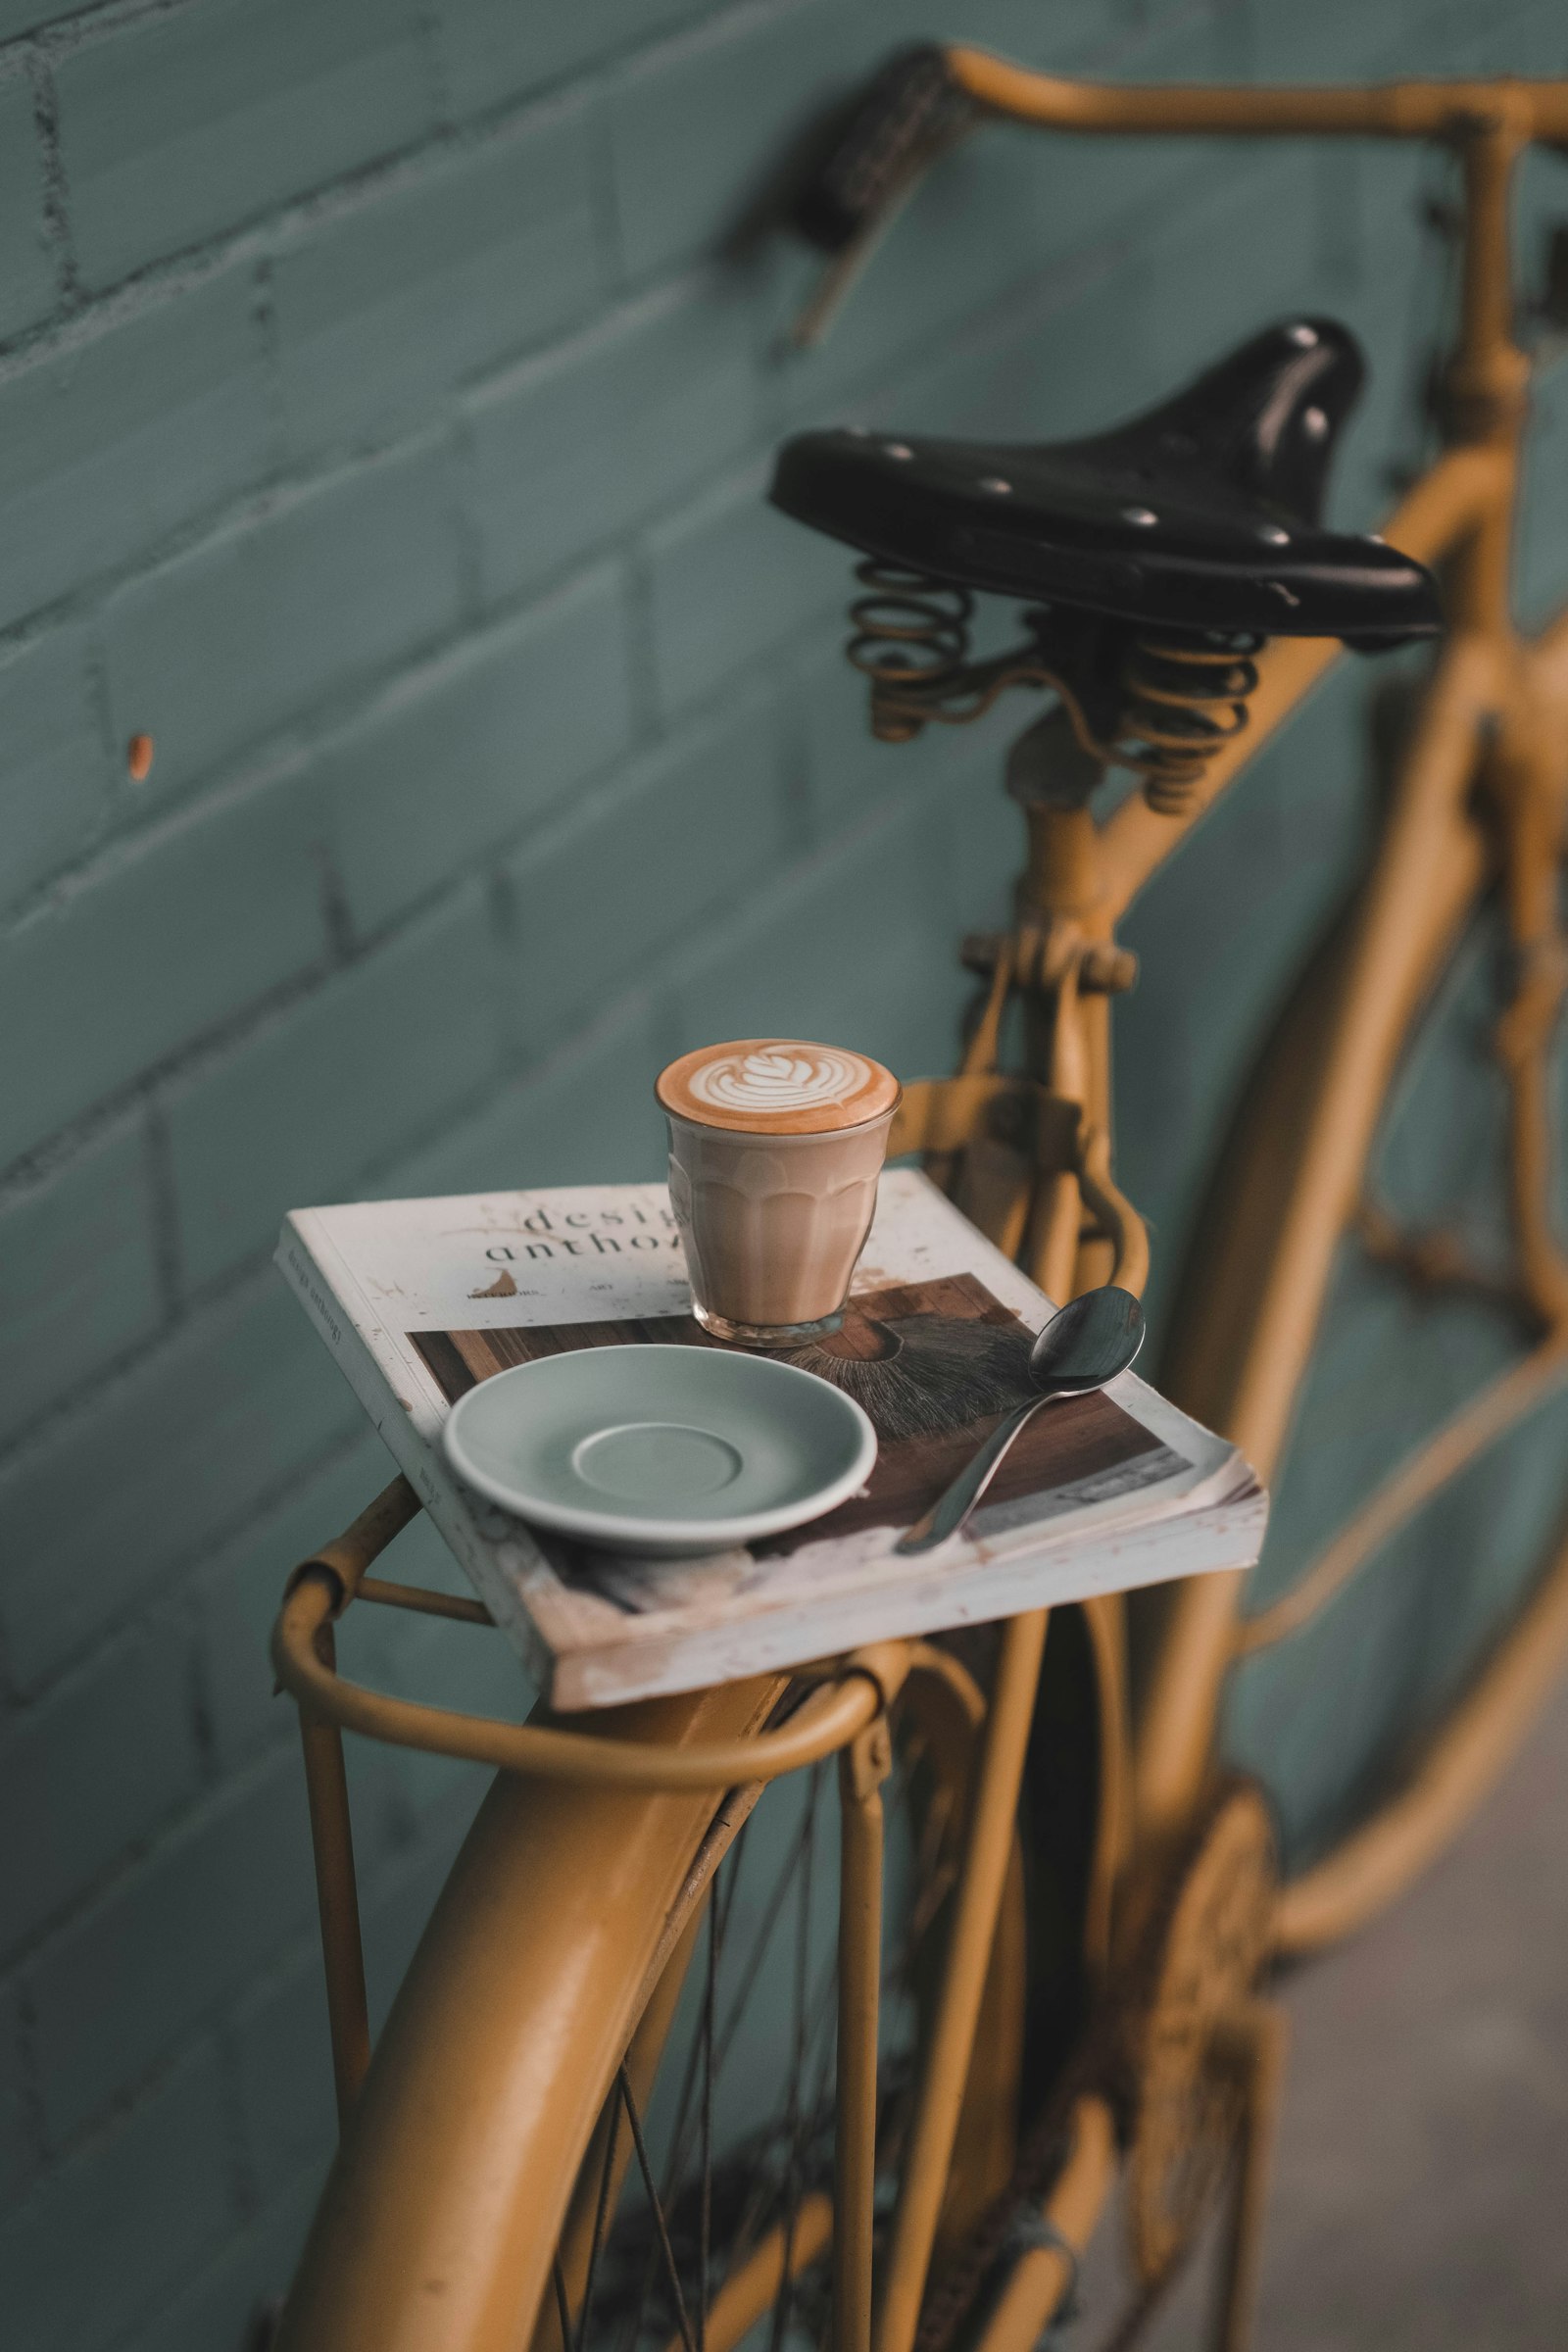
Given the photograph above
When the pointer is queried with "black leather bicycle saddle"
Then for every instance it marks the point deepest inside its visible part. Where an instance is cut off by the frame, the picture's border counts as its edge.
(1202, 514)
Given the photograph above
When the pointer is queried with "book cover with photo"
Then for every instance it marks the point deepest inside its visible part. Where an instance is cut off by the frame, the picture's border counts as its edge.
(421, 1300)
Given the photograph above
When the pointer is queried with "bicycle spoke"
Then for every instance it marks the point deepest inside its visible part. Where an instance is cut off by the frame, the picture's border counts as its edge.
(562, 2305)
(600, 2214)
(802, 1957)
(660, 2223)
(706, 2221)
(680, 2135)
(709, 2226)
(769, 1922)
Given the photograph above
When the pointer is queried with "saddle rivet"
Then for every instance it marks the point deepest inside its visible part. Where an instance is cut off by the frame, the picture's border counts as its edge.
(1304, 335)
(996, 485)
(1274, 535)
(1315, 423)
(897, 449)
(1143, 517)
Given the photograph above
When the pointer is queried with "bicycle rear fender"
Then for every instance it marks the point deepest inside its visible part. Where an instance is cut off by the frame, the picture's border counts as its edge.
(454, 2172)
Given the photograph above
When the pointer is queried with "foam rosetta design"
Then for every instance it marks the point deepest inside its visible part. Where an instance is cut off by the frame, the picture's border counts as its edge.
(779, 1081)
(777, 1087)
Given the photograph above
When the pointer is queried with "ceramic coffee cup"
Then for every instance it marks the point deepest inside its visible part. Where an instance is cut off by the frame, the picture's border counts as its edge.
(776, 1146)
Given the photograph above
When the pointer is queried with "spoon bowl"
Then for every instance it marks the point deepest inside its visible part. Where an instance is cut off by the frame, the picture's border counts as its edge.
(1086, 1343)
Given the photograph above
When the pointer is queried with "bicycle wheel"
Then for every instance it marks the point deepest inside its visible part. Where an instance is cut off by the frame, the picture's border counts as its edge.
(1422, 1311)
(602, 2111)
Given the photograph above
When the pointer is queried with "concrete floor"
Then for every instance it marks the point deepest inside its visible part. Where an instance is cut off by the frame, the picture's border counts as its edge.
(1421, 2187)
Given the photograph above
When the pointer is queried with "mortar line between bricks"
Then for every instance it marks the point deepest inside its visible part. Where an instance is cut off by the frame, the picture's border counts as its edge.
(90, 1397)
(542, 830)
(534, 108)
(56, 204)
(47, 1159)
(82, 28)
(305, 1949)
(272, 231)
(312, 726)
(465, 522)
(256, 505)
(712, 31)
(309, 727)
(604, 203)
(243, 2184)
(114, 784)
(322, 471)
(272, 374)
(183, 1608)
(186, 1819)
(514, 1066)
(1040, 291)
(57, 2156)
(221, 1040)
(800, 827)
(758, 906)
(32, 37)
(325, 469)
(165, 1215)
(29, 2085)
(428, 23)
(383, 1874)
(212, 1046)
(511, 1068)
(335, 916)
(363, 698)
(144, 2335)
(649, 718)
(269, 234)
(135, 1853)
(52, 1151)
(391, 1864)
(349, 953)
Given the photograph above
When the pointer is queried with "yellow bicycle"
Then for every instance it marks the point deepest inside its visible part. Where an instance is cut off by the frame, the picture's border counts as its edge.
(705, 2043)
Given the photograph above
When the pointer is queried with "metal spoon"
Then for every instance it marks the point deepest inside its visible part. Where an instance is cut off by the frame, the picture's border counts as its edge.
(1089, 1340)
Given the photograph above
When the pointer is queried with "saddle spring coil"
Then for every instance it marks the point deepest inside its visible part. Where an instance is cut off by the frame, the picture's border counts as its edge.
(909, 630)
(1184, 698)
(1178, 698)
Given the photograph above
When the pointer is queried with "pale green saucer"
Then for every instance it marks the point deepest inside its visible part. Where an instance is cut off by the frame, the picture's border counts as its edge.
(668, 1451)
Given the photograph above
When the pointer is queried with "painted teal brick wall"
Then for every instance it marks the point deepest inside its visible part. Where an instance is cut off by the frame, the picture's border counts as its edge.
(385, 394)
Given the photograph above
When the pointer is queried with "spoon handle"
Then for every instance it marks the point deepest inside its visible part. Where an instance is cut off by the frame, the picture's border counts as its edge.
(957, 1500)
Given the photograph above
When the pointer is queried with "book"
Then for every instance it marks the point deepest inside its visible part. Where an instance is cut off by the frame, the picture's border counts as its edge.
(420, 1299)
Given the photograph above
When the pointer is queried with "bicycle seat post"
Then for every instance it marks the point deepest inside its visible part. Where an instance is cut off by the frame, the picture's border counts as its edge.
(1053, 779)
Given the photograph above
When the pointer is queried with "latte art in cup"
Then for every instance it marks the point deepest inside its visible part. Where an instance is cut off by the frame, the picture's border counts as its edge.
(777, 1086)
(776, 1146)
(778, 1079)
